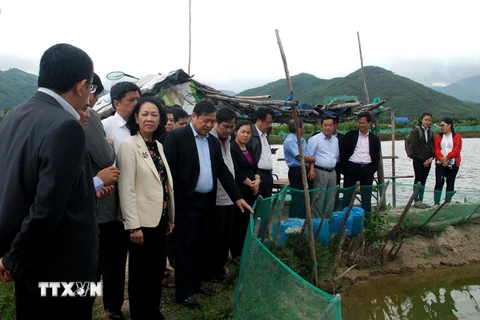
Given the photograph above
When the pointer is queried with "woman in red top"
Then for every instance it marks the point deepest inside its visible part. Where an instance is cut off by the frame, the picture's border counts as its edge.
(447, 147)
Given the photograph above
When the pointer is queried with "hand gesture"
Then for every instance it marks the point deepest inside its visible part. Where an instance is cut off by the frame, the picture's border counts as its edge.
(109, 175)
(5, 275)
(243, 205)
(105, 192)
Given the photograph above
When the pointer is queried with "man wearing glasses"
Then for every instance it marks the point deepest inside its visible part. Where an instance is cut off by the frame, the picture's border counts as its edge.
(48, 226)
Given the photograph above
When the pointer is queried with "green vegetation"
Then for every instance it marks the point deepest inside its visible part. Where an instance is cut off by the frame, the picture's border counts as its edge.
(405, 97)
(16, 86)
(465, 89)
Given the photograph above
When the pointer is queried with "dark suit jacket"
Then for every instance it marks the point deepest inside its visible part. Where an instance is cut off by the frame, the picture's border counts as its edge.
(255, 144)
(181, 151)
(350, 142)
(48, 226)
(102, 155)
(243, 170)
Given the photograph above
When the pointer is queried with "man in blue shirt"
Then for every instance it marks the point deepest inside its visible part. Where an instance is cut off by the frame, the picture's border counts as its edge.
(324, 148)
(292, 157)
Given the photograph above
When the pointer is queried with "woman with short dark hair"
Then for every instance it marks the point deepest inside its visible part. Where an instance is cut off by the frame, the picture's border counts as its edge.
(447, 147)
(146, 201)
(421, 141)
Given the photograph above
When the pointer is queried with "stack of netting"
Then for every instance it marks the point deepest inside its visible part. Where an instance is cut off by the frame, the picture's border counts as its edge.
(267, 288)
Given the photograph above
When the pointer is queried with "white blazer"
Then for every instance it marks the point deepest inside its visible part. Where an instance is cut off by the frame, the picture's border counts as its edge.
(139, 186)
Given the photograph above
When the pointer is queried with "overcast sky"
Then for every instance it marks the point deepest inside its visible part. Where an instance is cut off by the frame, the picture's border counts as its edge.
(233, 42)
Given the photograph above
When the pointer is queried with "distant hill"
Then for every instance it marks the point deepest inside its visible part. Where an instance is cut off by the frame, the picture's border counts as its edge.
(230, 93)
(16, 86)
(302, 84)
(404, 96)
(465, 89)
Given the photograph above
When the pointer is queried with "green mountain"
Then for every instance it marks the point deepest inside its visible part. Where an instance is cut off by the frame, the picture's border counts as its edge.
(465, 89)
(302, 84)
(405, 97)
(16, 86)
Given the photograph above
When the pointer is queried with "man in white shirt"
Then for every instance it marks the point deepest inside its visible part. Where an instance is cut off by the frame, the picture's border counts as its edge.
(360, 156)
(262, 153)
(324, 147)
(113, 239)
(124, 96)
(223, 212)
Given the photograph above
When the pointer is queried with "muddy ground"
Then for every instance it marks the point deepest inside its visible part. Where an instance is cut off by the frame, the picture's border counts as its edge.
(456, 246)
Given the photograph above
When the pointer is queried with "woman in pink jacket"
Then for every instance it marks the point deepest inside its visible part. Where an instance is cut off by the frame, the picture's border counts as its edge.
(447, 148)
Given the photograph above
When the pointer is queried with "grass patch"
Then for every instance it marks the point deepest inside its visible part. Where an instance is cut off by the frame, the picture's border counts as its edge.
(7, 301)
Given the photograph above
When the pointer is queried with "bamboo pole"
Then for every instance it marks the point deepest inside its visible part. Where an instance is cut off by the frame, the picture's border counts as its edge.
(350, 205)
(254, 102)
(308, 210)
(269, 218)
(474, 211)
(258, 222)
(314, 203)
(367, 97)
(189, 34)
(279, 221)
(394, 192)
(383, 195)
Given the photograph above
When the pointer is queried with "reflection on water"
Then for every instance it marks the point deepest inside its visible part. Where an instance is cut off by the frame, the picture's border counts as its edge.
(446, 293)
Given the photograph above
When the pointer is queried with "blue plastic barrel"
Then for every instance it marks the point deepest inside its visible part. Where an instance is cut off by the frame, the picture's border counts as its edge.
(337, 218)
(286, 227)
(324, 236)
(358, 220)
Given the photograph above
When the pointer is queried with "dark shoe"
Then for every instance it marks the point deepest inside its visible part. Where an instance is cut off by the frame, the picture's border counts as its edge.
(205, 291)
(190, 303)
(116, 315)
(217, 278)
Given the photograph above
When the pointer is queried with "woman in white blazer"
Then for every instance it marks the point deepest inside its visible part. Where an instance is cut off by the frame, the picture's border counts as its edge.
(146, 201)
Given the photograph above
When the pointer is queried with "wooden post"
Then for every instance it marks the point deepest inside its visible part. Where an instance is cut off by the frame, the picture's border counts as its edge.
(279, 221)
(308, 210)
(258, 222)
(189, 34)
(367, 97)
(314, 203)
(324, 216)
(382, 195)
(270, 215)
(350, 205)
(474, 211)
(394, 192)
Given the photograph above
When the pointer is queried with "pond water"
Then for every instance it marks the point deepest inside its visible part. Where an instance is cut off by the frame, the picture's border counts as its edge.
(444, 293)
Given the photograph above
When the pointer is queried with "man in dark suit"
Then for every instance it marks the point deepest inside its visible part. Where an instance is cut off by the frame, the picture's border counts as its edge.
(48, 226)
(360, 156)
(196, 161)
(262, 153)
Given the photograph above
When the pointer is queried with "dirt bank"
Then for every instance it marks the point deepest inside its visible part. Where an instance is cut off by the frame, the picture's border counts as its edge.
(455, 246)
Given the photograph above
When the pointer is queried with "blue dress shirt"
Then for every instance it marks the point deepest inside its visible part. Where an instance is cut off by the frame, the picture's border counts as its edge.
(290, 150)
(205, 178)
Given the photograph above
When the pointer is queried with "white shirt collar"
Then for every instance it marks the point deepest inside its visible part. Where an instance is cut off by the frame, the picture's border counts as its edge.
(120, 121)
(260, 133)
(65, 105)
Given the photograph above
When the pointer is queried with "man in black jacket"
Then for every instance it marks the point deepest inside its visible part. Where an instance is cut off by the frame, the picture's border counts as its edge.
(262, 153)
(360, 156)
(196, 161)
(48, 226)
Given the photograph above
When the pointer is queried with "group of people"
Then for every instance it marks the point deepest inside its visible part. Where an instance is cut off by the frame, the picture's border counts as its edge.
(443, 150)
(327, 155)
(78, 194)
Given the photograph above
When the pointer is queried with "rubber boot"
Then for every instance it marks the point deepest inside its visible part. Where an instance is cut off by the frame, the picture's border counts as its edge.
(437, 195)
(448, 194)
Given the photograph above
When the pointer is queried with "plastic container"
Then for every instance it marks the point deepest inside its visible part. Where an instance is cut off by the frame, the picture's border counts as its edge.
(358, 220)
(324, 236)
(286, 227)
(337, 219)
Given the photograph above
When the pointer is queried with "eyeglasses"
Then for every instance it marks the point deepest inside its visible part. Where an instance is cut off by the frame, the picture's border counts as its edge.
(93, 87)
(442, 125)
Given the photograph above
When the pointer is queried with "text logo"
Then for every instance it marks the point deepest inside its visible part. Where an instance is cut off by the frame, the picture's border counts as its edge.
(70, 289)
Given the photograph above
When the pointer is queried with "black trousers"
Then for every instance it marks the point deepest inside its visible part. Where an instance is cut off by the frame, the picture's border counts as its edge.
(193, 228)
(363, 173)
(219, 242)
(30, 305)
(266, 183)
(421, 174)
(297, 205)
(441, 174)
(146, 265)
(113, 246)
